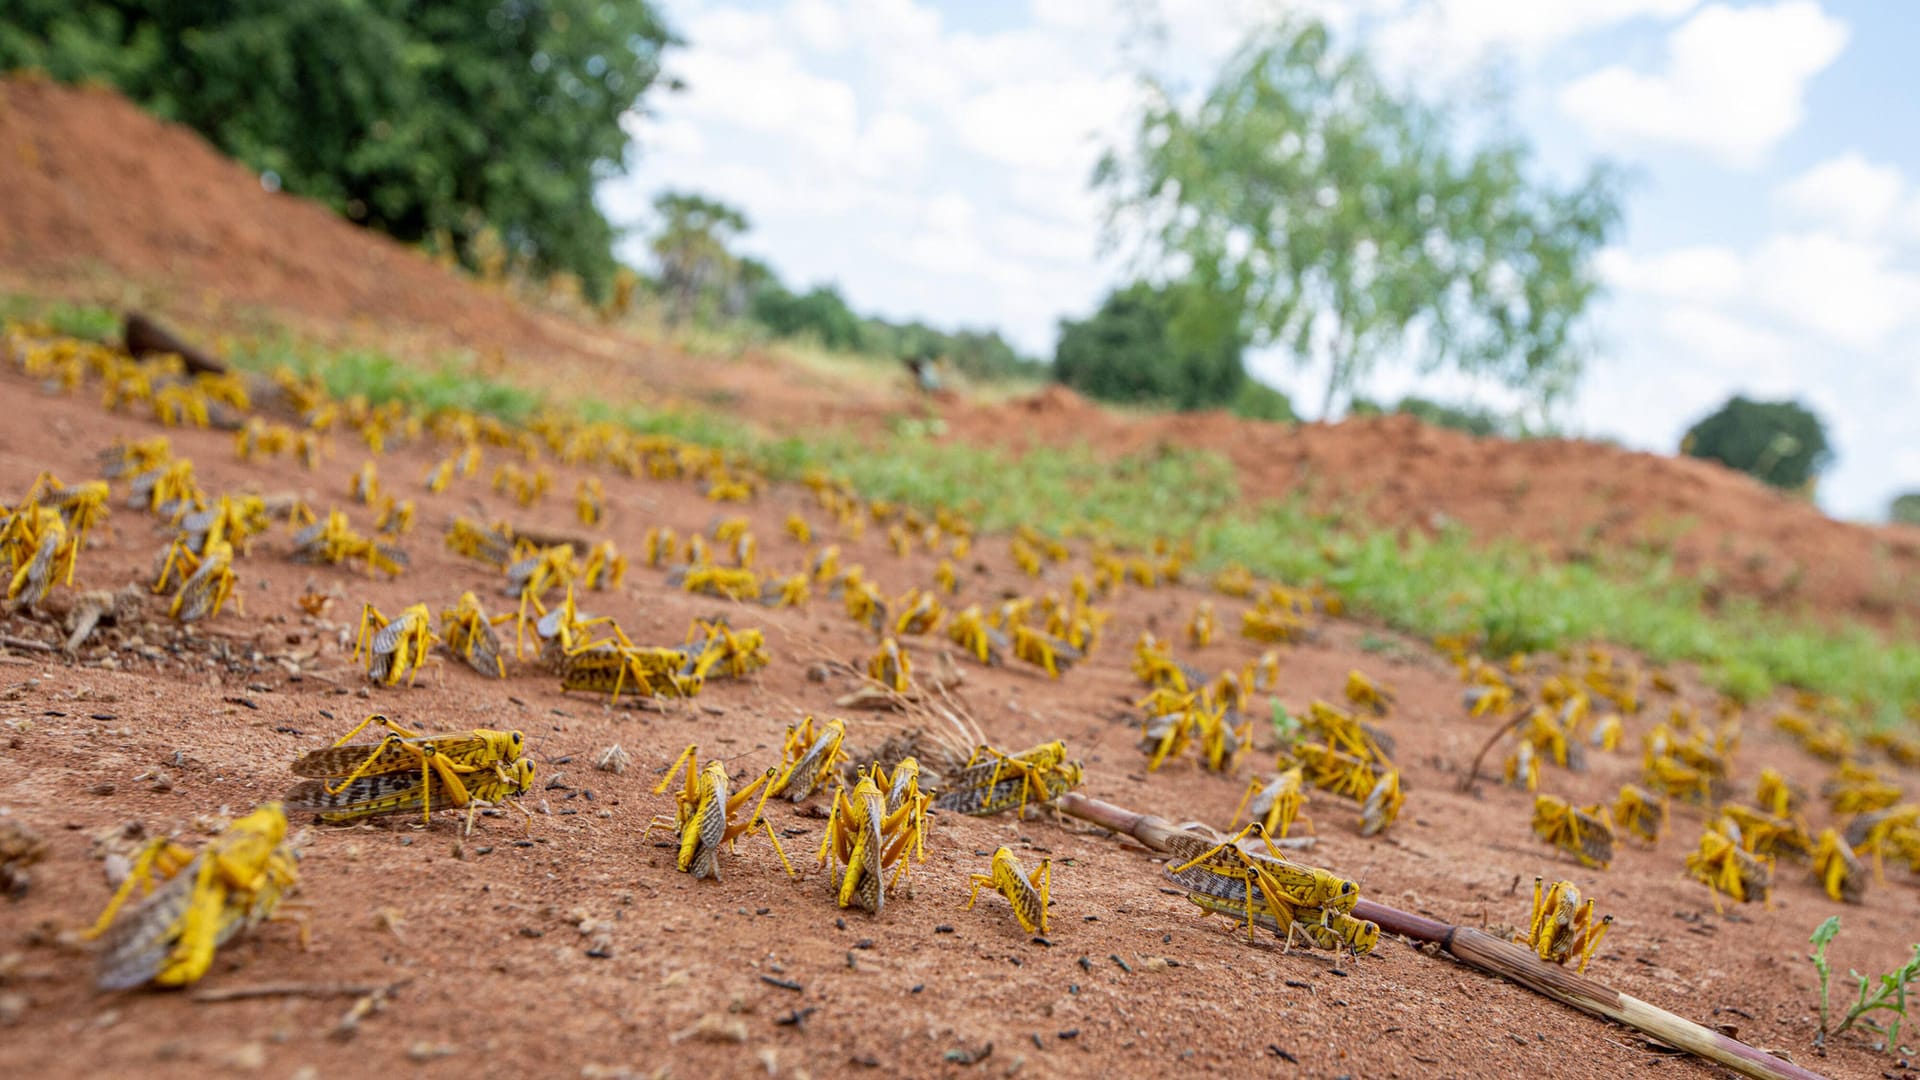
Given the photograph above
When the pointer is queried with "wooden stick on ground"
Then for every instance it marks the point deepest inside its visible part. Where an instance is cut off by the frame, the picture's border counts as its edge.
(243, 993)
(143, 337)
(1509, 961)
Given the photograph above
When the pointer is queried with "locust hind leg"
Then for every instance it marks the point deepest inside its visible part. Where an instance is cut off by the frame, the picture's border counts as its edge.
(978, 880)
(1042, 881)
(1231, 842)
(192, 954)
(778, 850)
(376, 718)
(379, 751)
(432, 764)
(1592, 942)
(169, 855)
(689, 758)
(1253, 788)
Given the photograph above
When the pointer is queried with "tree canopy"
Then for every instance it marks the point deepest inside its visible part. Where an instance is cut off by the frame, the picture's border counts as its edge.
(1905, 508)
(1781, 443)
(694, 250)
(1348, 223)
(820, 313)
(1173, 346)
(421, 118)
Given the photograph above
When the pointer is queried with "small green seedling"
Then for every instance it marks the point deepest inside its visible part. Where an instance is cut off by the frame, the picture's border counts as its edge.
(1285, 727)
(1890, 995)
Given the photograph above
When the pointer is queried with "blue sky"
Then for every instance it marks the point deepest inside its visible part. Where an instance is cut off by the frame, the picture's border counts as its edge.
(931, 159)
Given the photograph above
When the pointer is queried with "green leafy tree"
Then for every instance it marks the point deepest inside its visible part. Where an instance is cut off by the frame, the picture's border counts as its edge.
(421, 118)
(984, 354)
(692, 248)
(1781, 443)
(1258, 401)
(1348, 223)
(1175, 346)
(1905, 509)
(820, 313)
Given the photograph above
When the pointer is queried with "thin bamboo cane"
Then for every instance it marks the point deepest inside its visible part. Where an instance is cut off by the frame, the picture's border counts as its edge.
(1505, 959)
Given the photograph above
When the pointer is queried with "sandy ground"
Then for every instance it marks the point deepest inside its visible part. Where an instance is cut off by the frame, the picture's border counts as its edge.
(573, 948)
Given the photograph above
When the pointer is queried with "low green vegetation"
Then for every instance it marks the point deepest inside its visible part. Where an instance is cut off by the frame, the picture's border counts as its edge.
(451, 384)
(85, 321)
(1471, 419)
(1510, 596)
(1886, 994)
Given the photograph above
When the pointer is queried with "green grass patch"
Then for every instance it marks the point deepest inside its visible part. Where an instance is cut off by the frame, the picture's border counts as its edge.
(88, 321)
(450, 384)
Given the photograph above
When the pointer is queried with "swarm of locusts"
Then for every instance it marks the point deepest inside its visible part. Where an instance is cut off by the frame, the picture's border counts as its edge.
(1558, 710)
(535, 604)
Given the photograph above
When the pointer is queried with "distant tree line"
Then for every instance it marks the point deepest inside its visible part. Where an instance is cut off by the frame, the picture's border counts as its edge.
(702, 278)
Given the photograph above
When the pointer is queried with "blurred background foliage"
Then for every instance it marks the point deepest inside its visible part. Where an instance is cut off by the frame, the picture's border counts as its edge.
(1355, 226)
(430, 121)
(1781, 443)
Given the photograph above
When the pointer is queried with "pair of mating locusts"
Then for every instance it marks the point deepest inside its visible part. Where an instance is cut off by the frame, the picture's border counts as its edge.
(405, 771)
(885, 819)
(197, 901)
(1295, 901)
(877, 829)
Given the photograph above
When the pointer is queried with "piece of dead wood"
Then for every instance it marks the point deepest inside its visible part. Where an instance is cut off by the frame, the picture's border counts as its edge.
(99, 607)
(145, 337)
(310, 990)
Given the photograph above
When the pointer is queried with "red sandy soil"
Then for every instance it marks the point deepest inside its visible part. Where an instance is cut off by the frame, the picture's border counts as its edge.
(95, 187)
(489, 943)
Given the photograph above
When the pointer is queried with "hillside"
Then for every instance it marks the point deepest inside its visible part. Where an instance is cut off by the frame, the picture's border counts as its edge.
(104, 198)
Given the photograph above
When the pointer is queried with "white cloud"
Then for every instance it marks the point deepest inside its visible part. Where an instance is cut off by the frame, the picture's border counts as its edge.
(947, 241)
(1846, 290)
(1460, 33)
(893, 144)
(1077, 15)
(1028, 237)
(730, 30)
(1703, 273)
(1758, 359)
(1734, 83)
(1848, 192)
(764, 90)
(1051, 125)
(818, 24)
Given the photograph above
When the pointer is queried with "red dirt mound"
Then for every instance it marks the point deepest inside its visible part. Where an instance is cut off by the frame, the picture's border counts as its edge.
(92, 181)
(1572, 497)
